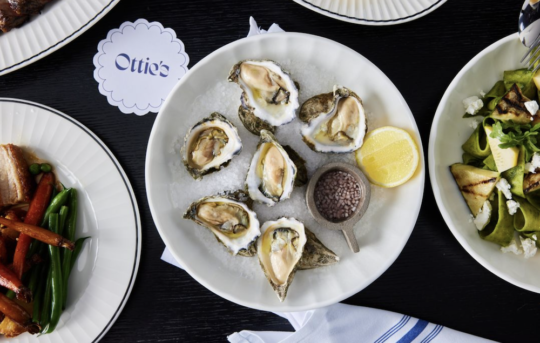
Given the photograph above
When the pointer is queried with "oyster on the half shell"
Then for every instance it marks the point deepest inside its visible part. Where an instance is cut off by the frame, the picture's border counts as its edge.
(210, 145)
(230, 219)
(280, 249)
(270, 96)
(334, 122)
(272, 172)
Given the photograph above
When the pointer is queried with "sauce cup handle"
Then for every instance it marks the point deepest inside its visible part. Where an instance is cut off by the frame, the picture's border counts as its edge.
(351, 239)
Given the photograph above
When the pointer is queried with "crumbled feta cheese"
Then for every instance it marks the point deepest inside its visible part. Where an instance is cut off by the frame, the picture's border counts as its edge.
(535, 163)
(529, 247)
(472, 104)
(512, 247)
(529, 168)
(474, 123)
(483, 216)
(532, 107)
(512, 206)
(482, 93)
(534, 237)
(504, 187)
(471, 218)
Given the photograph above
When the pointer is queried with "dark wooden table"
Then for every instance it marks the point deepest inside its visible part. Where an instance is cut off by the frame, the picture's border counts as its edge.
(434, 278)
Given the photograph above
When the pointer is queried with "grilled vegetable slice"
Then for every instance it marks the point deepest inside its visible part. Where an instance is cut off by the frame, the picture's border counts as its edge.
(475, 184)
(512, 107)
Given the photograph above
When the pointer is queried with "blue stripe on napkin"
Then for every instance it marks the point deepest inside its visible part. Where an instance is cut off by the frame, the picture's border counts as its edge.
(414, 332)
(404, 320)
(433, 334)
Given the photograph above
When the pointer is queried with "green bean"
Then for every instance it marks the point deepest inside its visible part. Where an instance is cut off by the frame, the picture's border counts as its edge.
(47, 295)
(38, 296)
(35, 248)
(72, 216)
(35, 169)
(57, 202)
(64, 210)
(34, 275)
(56, 273)
(45, 167)
(68, 259)
(54, 193)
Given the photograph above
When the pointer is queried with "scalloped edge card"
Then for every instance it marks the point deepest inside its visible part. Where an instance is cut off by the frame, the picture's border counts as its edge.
(138, 64)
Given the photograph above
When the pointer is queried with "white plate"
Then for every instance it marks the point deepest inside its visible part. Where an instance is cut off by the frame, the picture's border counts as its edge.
(448, 132)
(105, 272)
(59, 23)
(373, 12)
(196, 249)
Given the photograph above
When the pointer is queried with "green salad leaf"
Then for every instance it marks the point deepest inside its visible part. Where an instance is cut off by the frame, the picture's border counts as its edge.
(511, 134)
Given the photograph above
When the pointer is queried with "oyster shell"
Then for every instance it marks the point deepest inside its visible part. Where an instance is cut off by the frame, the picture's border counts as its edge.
(316, 254)
(272, 173)
(280, 249)
(270, 96)
(210, 145)
(335, 122)
(230, 219)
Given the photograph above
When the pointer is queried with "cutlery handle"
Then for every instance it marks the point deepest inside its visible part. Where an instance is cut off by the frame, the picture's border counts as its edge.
(351, 239)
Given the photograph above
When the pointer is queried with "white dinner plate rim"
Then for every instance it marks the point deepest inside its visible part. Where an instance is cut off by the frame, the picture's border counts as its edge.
(433, 175)
(365, 21)
(58, 44)
(127, 183)
(191, 272)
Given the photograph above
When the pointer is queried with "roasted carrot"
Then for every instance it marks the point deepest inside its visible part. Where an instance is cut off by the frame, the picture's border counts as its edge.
(39, 233)
(4, 256)
(17, 314)
(9, 280)
(8, 233)
(35, 213)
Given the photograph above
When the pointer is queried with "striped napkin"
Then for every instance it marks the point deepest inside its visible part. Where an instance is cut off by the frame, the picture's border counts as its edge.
(342, 323)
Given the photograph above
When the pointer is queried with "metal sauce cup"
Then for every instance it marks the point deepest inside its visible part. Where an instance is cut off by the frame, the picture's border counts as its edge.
(346, 225)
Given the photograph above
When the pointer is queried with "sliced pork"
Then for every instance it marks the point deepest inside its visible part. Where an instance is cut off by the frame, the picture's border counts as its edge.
(28, 6)
(13, 13)
(16, 182)
(9, 19)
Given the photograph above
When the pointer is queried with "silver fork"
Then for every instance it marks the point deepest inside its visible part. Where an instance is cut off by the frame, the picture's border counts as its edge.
(529, 32)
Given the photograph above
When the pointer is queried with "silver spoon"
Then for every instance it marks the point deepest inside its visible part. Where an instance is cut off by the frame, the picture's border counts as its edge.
(529, 25)
(529, 30)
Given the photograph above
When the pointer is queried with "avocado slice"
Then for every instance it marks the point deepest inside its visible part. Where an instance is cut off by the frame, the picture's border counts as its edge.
(475, 184)
(512, 107)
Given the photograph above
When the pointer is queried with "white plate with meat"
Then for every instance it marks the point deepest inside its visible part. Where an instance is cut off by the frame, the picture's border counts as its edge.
(317, 64)
(105, 272)
(38, 35)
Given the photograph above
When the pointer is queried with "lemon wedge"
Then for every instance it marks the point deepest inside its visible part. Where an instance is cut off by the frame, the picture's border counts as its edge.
(389, 156)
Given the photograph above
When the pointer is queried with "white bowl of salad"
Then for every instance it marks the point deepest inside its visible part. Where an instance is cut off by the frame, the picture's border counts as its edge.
(484, 162)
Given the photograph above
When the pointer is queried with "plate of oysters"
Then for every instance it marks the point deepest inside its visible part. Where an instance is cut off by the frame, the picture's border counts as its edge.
(233, 149)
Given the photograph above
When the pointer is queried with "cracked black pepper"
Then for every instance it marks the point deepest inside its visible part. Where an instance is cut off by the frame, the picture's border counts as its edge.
(337, 195)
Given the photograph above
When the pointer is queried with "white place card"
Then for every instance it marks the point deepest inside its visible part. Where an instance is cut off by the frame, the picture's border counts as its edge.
(138, 64)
